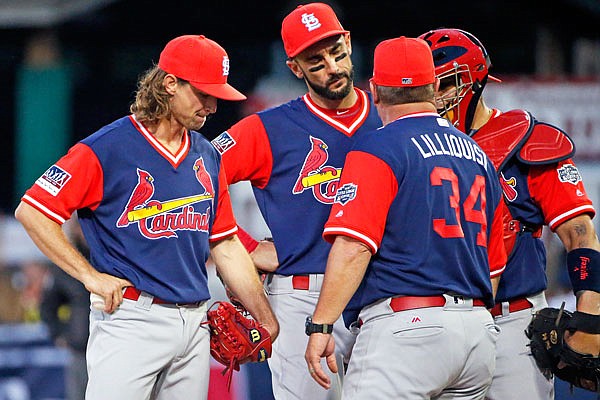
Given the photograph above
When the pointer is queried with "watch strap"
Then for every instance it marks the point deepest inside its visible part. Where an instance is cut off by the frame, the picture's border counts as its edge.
(317, 328)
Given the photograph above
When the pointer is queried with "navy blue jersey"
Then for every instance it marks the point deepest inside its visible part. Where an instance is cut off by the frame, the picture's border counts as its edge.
(535, 195)
(147, 215)
(422, 195)
(293, 155)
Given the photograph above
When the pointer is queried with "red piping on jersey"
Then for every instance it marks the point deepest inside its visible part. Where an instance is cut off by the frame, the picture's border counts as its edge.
(588, 208)
(174, 159)
(329, 234)
(348, 130)
(43, 209)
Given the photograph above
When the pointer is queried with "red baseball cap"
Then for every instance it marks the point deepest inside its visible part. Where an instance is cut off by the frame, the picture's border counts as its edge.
(201, 62)
(308, 24)
(403, 62)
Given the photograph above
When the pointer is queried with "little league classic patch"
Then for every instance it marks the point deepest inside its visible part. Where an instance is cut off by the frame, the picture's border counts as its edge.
(569, 173)
(53, 180)
(346, 193)
(223, 142)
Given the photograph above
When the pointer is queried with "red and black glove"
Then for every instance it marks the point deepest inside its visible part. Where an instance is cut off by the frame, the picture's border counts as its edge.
(236, 339)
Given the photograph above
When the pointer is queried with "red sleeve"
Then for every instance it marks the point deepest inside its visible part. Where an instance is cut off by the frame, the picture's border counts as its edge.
(367, 188)
(246, 152)
(497, 256)
(248, 241)
(74, 182)
(558, 190)
(224, 225)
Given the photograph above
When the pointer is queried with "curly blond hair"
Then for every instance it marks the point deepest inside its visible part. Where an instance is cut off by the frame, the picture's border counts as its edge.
(151, 102)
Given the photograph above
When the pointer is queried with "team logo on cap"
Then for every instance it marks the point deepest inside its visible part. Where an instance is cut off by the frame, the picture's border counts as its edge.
(53, 180)
(310, 21)
(569, 173)
(225, 65)
(407, 81)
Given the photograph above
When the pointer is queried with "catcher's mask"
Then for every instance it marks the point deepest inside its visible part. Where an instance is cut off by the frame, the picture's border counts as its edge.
(461, 64)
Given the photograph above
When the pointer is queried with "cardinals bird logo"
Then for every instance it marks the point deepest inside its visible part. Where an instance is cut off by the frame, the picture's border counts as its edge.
(316, 157)
(508, 187)
(203, 177)
(140, 196)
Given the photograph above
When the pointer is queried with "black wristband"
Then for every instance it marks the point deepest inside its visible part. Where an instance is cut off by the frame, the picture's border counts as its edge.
(311, 328)
(585, 322)
(583, 265)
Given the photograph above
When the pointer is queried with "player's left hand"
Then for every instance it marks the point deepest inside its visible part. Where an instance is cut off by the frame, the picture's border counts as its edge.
(321, 345)
(583, 342)
(552, 332)
(264, 256)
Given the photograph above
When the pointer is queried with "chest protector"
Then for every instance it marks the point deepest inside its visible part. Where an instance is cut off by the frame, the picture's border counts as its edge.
(517, 133)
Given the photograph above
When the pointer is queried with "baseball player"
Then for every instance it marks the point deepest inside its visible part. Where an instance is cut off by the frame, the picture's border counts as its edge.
(152, 201)
(293, 155)
(415, 242)
(541, 186)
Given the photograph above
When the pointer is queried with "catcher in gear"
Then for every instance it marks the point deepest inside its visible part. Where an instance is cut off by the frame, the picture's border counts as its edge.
(553, 356)
(542, 186)
(235, 338)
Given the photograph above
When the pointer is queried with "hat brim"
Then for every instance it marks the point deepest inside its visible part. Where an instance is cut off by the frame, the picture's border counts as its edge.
(316, 39)
(223, 91)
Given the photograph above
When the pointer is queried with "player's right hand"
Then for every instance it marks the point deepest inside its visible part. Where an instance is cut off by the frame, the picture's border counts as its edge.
(107, 289)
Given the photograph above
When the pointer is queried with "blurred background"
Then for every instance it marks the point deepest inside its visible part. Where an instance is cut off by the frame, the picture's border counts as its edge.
(68, 67)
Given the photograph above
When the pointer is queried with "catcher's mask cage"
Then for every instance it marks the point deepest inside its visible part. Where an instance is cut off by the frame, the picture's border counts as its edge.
(461, 64)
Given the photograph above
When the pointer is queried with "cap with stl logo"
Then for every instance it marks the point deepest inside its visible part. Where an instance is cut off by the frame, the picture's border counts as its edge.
(201, 62)
(403, 62)
(308, 24)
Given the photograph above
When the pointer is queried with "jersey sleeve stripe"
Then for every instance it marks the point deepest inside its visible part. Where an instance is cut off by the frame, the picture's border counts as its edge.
(569, 214)
(331, 231)
(45, 210)
(222, 235)
(498, 272)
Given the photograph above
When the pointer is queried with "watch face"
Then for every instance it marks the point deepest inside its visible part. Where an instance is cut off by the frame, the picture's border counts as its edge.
(307, 326)
(310, 327)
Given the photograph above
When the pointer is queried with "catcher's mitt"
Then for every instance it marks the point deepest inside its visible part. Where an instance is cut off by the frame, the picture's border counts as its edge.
(236, 339)
(552, 354)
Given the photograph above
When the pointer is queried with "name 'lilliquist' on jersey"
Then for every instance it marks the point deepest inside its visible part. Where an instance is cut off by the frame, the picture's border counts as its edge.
(451, 145)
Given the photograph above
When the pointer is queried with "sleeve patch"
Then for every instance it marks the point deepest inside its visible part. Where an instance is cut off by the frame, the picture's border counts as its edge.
(346, 193)
(223, 142)
(569, 173)
(53, 180)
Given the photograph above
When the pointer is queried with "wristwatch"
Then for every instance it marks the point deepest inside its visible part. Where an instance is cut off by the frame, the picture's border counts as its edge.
(317, 328)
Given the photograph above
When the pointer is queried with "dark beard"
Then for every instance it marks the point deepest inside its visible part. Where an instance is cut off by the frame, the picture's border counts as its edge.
(339, 94)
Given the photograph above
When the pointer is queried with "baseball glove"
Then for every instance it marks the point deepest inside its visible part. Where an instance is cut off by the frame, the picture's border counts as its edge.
(235, 338)
(552, 354)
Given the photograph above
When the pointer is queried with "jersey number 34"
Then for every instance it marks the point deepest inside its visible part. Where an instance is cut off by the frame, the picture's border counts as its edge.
(455, 230)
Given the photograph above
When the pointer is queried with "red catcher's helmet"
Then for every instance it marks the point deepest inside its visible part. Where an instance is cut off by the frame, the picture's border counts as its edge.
(461, 61)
